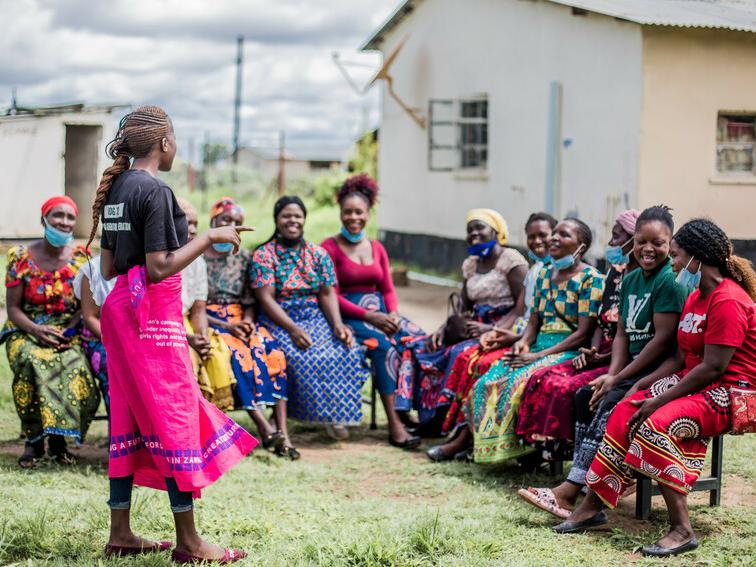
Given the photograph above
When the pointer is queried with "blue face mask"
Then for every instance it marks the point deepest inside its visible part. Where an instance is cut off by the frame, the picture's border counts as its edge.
(353, 238)
(615, 255)
(687, 279)
(57, 237)
(567, 261)
(223, 248)
(481, 249)
(532, 255)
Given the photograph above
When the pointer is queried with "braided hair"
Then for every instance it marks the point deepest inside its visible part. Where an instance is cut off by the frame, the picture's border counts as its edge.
(659, 213)
(362, 185)
(708, 243)
(584, 234)
(137, 134)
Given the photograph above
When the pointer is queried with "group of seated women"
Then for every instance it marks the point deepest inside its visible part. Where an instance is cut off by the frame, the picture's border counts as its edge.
(624, 373)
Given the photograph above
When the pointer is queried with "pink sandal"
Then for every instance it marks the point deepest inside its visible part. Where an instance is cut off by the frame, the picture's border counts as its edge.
(544, 499)
(118, 550)
(229, 556)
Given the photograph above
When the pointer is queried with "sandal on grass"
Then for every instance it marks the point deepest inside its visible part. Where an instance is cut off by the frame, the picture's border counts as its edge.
(27, 461)
(288, 451)
(63, 458)
(229, 556)
(273, 441)
(544, 499)
(119, 550)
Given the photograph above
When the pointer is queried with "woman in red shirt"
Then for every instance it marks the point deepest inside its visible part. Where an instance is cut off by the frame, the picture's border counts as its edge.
(662, 427)
(367, 299)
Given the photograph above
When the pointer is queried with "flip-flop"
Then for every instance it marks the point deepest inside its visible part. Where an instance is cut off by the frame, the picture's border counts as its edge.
(229, 556)
(544, 499)
(118, 550)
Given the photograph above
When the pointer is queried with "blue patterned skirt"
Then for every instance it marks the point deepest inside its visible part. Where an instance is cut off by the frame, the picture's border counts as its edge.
(385, 353)
(325, 381)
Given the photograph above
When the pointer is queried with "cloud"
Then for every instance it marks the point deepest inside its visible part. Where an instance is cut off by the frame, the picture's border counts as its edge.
(181, 55)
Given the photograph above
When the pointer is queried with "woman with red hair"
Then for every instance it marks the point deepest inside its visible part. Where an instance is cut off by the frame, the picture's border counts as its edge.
(55, 394)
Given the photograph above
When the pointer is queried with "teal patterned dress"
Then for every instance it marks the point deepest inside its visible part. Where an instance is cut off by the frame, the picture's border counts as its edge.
(493, 403)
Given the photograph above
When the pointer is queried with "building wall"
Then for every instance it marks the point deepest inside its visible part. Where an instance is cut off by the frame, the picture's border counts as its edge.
(512, 50)
(688, 77)
(32, 168)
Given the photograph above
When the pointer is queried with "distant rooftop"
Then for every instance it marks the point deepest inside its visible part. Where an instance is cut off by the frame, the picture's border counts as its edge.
(77, 107)
(736, 15)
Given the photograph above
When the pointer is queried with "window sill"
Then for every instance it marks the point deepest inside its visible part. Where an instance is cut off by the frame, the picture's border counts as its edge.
(732, 180)
(471, 174)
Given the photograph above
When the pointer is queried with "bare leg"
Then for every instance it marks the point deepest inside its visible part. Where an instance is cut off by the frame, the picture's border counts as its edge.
(680, 530)
(279, 411)
(589, 507)
(120, 531)
(397, 431)
(189, 541)
(263, 427)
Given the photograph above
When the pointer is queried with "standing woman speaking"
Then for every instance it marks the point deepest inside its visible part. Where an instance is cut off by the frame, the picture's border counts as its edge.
(164, 434)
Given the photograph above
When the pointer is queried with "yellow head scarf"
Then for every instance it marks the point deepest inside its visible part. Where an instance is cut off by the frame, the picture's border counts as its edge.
(492, 219)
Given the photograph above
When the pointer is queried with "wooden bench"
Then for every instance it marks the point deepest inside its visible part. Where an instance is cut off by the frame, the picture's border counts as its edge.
(646, 488)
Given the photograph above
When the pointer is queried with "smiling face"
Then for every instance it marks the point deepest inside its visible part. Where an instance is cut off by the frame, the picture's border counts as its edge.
(61, 217)
(538, 234)
(564, 240)
(355, 213)
(290, 222)
(479, 232)
(651, 245)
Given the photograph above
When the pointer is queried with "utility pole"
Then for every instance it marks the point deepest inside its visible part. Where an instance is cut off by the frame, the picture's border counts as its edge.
(281, 163)
(237, 101)
(205, 165)
(191, 174)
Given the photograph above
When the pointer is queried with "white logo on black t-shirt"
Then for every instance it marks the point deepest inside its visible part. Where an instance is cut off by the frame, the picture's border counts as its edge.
(113, 211)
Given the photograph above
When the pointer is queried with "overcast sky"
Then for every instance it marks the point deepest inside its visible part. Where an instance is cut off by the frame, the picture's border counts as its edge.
(180, 54)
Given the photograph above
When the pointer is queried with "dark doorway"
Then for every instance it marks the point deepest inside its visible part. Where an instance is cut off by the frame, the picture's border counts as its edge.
(82, 143)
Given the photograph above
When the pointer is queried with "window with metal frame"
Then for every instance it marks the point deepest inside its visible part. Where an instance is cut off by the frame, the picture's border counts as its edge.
(736, 143)
(458, 134)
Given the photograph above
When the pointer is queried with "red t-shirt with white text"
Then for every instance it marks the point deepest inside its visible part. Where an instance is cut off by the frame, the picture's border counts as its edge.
(726, 317)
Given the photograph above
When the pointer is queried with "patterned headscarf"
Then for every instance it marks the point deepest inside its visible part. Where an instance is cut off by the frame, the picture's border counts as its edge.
(223, 205)
(492, 219)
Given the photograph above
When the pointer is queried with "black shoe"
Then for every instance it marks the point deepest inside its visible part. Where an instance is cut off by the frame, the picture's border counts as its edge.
(273, 441)
(290, 452)
(656, 550)
(437, 455)
(411, 442)
(568, 527)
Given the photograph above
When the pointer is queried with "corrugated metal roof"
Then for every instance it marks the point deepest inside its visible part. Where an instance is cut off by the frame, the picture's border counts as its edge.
(737, 15)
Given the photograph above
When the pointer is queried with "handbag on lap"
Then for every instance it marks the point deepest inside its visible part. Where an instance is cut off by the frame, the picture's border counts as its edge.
(743, 411)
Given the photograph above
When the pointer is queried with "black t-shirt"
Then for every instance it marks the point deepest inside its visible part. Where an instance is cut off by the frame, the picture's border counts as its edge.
(141, 215)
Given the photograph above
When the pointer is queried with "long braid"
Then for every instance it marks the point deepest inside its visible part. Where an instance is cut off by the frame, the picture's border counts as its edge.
(705, 241)
(137, 134)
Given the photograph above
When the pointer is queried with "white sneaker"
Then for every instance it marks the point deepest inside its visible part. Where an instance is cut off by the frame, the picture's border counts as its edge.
(336, 431)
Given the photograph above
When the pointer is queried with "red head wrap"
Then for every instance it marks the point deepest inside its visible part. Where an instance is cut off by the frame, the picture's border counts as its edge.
(225, 204)
(53, 202)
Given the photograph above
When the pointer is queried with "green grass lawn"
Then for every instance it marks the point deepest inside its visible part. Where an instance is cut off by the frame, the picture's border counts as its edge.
(354, 503)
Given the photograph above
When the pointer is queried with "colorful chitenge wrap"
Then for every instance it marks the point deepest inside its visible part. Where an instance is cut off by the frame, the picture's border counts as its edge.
(259, 365)
(384, 352)
(669, 447)
(98, 360)
(494, 400)
(325, 381)
(423, 374)
(160, 424)
(54, 391)
(214, 374)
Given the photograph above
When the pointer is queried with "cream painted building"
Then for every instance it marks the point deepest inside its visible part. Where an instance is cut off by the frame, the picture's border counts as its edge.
(48, 151)
(577, 107)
